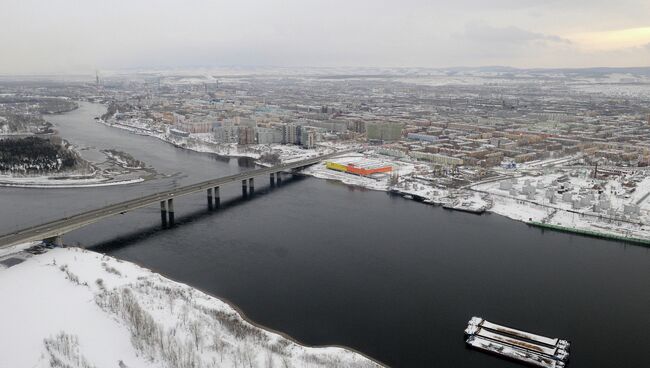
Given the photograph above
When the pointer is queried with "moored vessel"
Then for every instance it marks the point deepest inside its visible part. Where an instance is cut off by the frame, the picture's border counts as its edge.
(516, 344)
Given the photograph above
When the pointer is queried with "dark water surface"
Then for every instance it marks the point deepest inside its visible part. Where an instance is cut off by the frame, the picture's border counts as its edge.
(329, 264)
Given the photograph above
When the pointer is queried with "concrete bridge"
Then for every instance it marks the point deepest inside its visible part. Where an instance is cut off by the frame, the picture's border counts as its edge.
(52, 231)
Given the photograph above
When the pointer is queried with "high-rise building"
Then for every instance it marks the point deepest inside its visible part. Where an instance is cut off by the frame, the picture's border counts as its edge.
(246, 135)
(358, 126)
(269, 135)
(194, 126)
(226, 132)
(384, 131)
(291, 133)
(246, 122)
(308, 137)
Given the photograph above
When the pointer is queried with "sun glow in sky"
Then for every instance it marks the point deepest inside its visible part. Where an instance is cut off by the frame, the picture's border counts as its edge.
(613, 40)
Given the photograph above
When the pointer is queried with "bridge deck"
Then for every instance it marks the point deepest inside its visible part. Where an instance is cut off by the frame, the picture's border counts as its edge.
(65, 225)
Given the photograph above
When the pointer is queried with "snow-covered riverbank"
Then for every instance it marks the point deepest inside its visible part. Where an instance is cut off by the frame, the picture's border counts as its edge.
(197, 145)
(77, 308)
(118, 168)
(586, 205)
(62, 182)
(205, 143)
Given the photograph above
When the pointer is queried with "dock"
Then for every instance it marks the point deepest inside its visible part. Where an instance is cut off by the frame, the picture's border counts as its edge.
(517, 345)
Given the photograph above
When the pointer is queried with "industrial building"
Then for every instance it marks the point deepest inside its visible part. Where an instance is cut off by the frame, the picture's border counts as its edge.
(359, 169)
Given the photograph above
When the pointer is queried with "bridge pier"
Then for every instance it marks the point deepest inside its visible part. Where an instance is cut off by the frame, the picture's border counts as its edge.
(217, 197)
(57, 241)
(170, 210)
(209, 198)
(272, 179)
(278, 177)
(251, 186)
(163, 213)
(244, 191)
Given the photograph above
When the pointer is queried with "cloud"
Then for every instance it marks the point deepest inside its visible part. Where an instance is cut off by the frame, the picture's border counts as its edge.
(72, 36)
(510, 35)
(482, 43)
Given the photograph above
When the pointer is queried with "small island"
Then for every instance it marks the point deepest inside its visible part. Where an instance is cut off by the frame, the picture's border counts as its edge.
(38, 156)
(32, 154)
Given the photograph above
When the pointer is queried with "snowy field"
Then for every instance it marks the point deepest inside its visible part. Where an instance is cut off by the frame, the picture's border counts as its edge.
(74, 308)
(518, 210)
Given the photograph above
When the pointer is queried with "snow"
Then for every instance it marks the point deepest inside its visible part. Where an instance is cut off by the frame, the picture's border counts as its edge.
(39, 302)
(80, 306)
(579, 212)
(517, 209)
(378, 181)
(14, 249)
(58, 182)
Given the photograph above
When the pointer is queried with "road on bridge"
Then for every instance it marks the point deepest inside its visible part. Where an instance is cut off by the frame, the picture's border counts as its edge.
(61, 226)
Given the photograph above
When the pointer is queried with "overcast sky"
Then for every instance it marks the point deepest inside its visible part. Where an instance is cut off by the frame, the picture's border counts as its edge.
(66, 36)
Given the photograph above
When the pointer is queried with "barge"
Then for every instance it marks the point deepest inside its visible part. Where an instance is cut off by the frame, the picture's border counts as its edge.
(595, 234)
(464, 207)
(518, 345)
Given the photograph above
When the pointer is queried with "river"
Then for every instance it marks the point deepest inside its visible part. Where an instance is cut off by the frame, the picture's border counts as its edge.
(331, 264)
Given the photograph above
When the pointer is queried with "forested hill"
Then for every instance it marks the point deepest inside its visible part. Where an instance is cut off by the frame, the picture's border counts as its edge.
(34, 155)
